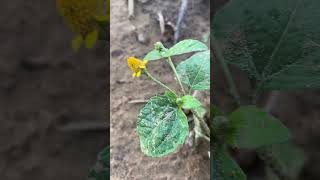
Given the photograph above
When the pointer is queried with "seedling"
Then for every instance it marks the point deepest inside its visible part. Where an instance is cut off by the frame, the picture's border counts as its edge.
(162, 125)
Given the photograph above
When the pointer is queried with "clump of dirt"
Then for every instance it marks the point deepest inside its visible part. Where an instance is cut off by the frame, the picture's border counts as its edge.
(45, 86)
(135, 37)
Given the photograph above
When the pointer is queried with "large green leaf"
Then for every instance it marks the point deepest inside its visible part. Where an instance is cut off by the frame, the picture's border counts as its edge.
(162, 126)
(290, 158)
(186, 46)
(223, 166)
(101, 170)
(256, 128)
(195, 71)
(275, 41)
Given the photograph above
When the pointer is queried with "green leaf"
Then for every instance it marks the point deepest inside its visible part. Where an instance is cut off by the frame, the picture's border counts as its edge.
(77, 42)
(290, 157)
(256, 128)
(186, 46)
(101, 170)
(91, 39)
(223, 166)
(190, 102)
(276, 42)
(162, 126)
(195, 71)
(153, 55)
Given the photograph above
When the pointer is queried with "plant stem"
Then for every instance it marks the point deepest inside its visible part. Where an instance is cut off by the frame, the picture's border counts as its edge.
(176, 74)
(157, 81)
(226, 71)
(202, 123)
(198, 130)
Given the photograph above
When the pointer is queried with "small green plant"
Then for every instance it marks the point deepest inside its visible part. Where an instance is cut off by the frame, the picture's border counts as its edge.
(162, 124)
(277, 44)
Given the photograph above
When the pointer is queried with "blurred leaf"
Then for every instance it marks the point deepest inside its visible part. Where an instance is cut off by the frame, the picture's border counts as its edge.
(77, 42)
(186, 46)
(224, 166)
(91, 39)
(195, 71)
(200, 111)
(276, 42)
(190, 102)
(162, 126)
(101, 170)
(256, 128)
(291, 159)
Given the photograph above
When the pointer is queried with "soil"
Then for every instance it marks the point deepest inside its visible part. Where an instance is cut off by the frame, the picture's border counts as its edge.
(45, 86)
(135, 37)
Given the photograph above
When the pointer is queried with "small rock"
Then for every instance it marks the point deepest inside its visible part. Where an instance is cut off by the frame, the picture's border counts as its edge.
(116, 53)
(141, 38)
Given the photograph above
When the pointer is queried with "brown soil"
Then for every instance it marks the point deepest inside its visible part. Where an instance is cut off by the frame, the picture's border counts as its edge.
(44, 86)
(127, 160)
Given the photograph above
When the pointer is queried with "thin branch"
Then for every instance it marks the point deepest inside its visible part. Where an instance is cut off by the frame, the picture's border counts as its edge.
(182, 12)
(130, 8)
(161, 22)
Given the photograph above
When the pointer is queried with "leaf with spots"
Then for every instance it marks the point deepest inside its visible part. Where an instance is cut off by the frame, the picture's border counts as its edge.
(162, 126)
(275, 42)
(195, 71)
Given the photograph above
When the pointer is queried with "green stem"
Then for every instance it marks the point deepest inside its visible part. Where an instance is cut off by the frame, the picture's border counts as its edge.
(226, 71)
(157, 81)
(176, 74)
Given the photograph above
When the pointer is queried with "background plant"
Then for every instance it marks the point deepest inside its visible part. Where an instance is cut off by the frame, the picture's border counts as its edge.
(277, 44)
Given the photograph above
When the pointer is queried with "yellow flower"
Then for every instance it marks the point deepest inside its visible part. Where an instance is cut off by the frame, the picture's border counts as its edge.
(81, 15)
(136, 65)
